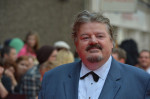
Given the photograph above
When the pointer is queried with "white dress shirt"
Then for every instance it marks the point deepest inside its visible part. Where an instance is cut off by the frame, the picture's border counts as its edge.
(88, 88)
(148, 70)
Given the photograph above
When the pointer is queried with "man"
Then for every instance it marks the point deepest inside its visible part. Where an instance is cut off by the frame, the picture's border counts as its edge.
(98, 75)
(9, 54)
(144, 60)
(119, 55)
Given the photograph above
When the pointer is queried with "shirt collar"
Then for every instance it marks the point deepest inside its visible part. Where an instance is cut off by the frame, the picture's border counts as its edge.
(101, 72)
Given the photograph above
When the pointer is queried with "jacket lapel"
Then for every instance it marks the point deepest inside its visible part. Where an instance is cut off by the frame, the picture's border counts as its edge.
(72, 82)
(112, 83)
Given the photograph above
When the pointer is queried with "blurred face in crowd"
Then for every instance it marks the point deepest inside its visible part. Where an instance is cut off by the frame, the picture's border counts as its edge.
(52, 57)
(12, 56)
(93, 44)
(22, 67)
(31, 40)
(116, 57)
(144, 59)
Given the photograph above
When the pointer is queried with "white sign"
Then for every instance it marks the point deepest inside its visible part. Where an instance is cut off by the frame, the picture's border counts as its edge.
(138, 20)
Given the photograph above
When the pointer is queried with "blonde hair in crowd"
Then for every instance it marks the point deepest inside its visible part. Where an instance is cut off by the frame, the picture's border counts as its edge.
(64, 57)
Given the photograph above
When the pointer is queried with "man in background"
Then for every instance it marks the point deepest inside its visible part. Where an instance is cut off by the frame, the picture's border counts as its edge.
(144, 60)
(8, 54)
(119, 55)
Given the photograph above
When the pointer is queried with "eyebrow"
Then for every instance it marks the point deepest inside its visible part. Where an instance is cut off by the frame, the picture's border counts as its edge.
(95, 33)
(83, 34)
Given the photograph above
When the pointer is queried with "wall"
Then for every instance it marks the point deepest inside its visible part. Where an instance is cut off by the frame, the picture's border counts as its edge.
(52, 19)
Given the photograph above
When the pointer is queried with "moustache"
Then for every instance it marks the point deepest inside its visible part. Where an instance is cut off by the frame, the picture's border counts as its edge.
(93, 46)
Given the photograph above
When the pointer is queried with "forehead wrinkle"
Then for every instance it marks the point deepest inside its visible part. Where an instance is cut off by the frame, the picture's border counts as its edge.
(98, 28)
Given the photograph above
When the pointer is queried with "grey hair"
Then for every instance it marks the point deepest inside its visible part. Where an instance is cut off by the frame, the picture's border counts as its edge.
(85, 17)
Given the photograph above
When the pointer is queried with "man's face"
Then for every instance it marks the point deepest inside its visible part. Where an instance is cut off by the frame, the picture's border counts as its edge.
(93, 44)
(12, 55)
(144, 59)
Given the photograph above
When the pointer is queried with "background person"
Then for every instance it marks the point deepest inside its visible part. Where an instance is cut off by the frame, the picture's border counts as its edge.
(31, 80)
(22, 65)
(31, 45)
(5, 82)
(16, 43)
(119, 55)
(10, 73)
(130, 46)
(3, 91)
(64, 54)
(8, 54)
(144, 60)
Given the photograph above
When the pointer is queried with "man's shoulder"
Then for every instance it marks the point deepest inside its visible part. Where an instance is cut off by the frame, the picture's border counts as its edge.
(133, 71)
(63, 69)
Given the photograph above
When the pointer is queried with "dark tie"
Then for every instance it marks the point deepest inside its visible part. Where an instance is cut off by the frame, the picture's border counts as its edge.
(95, 76)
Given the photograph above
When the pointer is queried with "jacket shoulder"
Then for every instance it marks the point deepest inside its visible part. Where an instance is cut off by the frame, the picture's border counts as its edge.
(134, 71)
(62, 70)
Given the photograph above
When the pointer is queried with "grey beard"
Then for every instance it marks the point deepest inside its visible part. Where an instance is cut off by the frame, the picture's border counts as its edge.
(94, 59)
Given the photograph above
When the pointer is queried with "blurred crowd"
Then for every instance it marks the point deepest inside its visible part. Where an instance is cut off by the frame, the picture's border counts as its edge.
(23, 63)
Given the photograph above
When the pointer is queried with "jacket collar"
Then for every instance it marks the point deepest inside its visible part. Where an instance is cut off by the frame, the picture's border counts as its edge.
(72, 82)
(110, 88)
(113, 82)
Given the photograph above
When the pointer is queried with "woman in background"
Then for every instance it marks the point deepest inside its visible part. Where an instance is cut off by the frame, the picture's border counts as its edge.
(22, 65)
(31, 45)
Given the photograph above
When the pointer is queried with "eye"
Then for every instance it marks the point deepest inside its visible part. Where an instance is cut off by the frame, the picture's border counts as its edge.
(85, 38)
(99, 36)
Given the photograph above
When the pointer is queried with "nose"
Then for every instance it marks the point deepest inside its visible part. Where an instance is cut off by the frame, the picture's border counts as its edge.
(93, 40)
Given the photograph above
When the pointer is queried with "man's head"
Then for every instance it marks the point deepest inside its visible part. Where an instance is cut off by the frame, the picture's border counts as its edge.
(9, 53)
(119, 54)
(144, 59)
(93, 37)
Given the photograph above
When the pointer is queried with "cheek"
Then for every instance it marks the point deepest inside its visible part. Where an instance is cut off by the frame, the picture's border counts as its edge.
(81, 46)
(108, 45)
(50, 59)
(19, 69)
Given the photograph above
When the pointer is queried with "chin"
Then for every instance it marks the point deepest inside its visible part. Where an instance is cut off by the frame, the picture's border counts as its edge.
(94, 58)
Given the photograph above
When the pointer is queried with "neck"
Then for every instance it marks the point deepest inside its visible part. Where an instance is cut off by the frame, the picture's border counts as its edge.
(96, 65)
